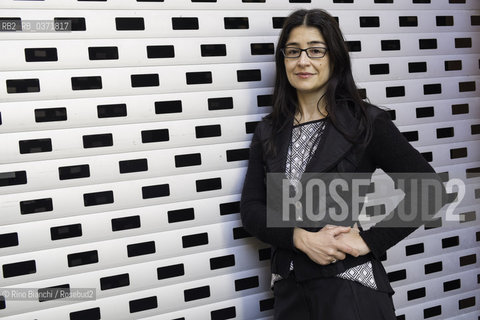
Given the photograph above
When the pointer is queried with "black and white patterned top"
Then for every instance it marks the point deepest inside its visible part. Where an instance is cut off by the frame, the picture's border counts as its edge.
(304, 143)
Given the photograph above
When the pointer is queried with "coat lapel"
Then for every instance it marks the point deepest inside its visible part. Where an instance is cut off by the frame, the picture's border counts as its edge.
(332, 147)
(330, 151)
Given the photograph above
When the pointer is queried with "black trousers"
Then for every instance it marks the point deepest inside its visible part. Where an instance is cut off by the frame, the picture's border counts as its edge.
(330, 299)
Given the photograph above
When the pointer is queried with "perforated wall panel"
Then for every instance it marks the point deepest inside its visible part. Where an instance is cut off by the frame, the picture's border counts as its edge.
(124, 144)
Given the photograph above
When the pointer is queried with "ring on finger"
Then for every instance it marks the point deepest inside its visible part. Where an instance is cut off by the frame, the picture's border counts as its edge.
(334, 260)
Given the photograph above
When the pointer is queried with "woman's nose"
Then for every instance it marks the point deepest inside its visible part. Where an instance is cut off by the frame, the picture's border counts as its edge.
(303, 59)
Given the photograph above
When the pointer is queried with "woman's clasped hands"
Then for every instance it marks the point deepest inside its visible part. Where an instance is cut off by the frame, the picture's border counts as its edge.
(330, 244)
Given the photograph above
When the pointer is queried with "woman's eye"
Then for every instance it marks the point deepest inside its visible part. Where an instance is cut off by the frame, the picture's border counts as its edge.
(292, 51)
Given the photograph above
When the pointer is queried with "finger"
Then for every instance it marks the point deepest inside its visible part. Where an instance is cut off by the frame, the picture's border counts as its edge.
(347, 249)
(339, 255)
(323, 260)
(329, 260)
(338, 230)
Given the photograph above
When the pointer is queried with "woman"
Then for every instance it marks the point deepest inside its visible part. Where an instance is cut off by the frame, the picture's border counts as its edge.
(319, 123)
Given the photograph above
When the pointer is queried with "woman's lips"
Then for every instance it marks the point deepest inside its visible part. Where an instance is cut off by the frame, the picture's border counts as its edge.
(304, 75)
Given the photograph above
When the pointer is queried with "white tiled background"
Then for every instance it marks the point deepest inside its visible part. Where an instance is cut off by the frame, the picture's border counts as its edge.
(132, 188)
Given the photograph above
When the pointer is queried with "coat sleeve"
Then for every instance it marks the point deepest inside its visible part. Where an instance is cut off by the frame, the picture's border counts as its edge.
(392, 153)
(253, 207)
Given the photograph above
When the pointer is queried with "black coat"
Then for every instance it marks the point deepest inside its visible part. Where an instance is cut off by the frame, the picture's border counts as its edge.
(387, 149)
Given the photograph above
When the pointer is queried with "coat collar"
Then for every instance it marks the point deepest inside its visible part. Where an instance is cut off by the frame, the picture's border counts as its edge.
(332, 147)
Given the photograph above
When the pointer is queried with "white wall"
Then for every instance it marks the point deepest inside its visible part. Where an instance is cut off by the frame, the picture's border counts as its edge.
(166, 226)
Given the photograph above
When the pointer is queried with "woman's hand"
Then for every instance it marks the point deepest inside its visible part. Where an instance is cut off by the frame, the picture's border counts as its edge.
(354, 240)
(327, 245)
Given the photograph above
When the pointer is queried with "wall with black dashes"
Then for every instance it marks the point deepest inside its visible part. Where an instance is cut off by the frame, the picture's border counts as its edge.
(124, 135)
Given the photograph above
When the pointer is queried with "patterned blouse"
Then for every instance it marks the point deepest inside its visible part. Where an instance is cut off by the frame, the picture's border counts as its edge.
(305, 139)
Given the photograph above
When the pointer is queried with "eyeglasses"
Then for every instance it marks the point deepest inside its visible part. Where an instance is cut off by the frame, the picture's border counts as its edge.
(312, 52)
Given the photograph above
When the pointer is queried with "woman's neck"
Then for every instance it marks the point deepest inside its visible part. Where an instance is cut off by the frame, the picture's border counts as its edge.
(310, 107)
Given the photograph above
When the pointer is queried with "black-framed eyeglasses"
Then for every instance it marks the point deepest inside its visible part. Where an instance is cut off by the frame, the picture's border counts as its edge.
(312, 52)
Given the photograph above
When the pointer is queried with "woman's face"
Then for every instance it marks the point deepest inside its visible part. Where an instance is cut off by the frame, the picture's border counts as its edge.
(307, 75)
